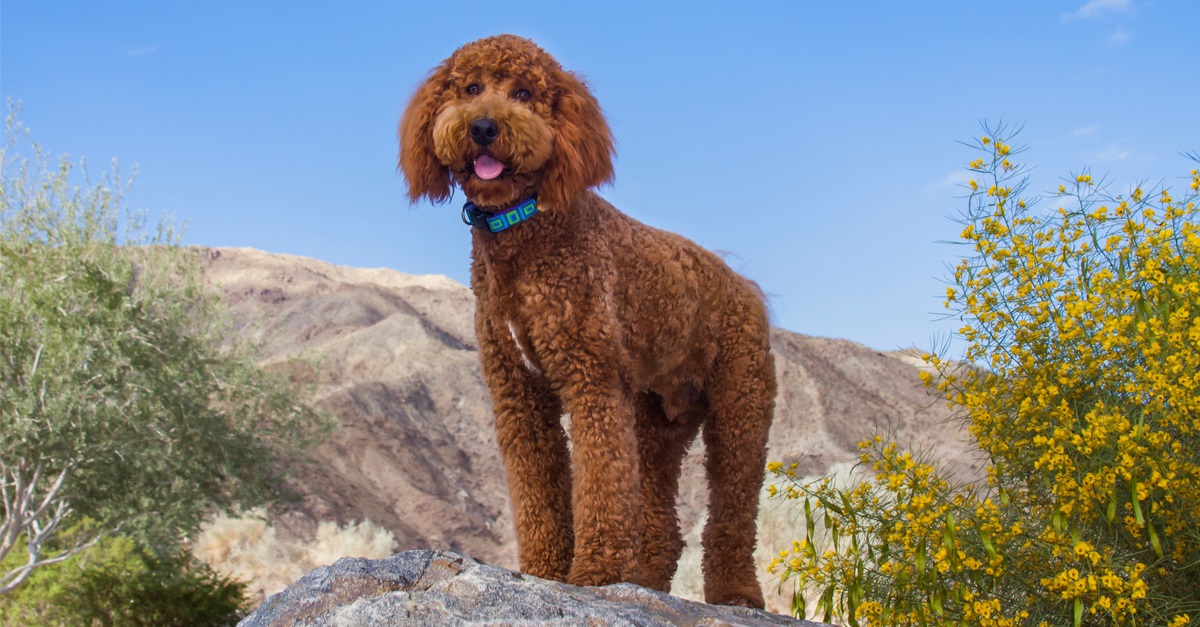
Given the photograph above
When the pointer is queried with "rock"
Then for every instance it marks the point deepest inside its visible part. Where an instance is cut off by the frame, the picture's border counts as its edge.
(430, 587)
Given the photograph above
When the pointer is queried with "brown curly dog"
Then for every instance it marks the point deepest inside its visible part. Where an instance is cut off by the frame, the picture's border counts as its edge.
(640, 335)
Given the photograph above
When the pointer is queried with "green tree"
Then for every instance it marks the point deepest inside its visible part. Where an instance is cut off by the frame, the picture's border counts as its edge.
(1085, 322)
(118, 582)
(123, 397)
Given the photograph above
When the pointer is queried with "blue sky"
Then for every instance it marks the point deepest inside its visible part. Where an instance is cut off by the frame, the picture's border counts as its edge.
(813, 142)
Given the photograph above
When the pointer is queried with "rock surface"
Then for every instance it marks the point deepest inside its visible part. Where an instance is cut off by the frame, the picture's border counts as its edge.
(444, 588)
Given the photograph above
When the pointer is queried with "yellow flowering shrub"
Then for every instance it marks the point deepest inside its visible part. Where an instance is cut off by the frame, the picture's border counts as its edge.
(1083, 324)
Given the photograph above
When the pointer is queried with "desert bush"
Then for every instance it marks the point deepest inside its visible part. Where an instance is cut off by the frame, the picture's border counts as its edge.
(248, 548)
(1085, 324)
(118, 582)
(122, 398)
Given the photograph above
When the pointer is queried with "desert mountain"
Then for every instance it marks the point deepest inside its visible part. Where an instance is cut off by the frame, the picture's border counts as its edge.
(414, 450)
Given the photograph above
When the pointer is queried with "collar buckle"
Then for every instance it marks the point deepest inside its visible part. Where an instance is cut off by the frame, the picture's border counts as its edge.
(472, 216)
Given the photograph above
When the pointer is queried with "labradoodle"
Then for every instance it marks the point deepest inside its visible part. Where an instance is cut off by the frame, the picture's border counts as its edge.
(642, 336)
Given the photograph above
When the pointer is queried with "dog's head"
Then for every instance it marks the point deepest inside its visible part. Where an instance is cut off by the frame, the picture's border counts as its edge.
(501, 119)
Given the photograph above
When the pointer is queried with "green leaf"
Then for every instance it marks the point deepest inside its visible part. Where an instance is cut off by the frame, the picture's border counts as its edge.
(986, 538)
(852, 604)
(1154, 543)
(948, 537)
(809, 524)
(1137, 507)
(826, 604)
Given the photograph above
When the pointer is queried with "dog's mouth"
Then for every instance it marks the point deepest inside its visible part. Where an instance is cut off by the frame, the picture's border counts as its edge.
(487, 167)
(488, 181)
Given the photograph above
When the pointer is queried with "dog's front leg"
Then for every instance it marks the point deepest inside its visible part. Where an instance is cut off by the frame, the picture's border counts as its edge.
(605, 494)
(533, 446)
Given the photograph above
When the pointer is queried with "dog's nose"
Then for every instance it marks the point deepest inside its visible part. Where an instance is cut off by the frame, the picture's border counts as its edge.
(484, 131)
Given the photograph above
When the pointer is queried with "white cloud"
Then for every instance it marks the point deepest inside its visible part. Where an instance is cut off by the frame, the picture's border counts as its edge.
(1109, 154)
(1113, 153)
(1118, 37)
(140, 51)
(1096, 9)
(954, 180)
(1085, 131)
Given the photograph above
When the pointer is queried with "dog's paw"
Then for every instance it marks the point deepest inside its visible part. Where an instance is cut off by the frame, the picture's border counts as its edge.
(583, 578)
(754, 604)
(602, 574)
(742, 596)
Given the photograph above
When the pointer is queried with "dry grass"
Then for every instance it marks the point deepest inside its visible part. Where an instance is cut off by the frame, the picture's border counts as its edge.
(248, 548)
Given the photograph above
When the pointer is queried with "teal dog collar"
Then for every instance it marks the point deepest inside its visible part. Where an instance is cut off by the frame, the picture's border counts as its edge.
(496, 222)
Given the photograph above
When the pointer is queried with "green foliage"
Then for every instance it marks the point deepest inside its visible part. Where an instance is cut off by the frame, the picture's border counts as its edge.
(118, 582)
(1087, 319)
(118, 372)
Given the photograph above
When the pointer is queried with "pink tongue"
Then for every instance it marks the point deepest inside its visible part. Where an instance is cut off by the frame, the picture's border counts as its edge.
(488, 168)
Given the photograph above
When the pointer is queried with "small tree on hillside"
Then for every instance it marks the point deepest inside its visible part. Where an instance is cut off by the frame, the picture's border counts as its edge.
(117, 402)
(1086, 320)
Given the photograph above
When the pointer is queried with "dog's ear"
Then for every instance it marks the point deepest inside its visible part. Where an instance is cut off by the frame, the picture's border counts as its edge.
(424, 173)
(583, 144)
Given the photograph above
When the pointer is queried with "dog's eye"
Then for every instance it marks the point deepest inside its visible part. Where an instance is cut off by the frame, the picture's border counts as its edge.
(473, 89)
(523, 95)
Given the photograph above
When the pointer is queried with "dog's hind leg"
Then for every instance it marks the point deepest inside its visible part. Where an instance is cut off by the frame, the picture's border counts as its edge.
(662, 444)
(741, 402)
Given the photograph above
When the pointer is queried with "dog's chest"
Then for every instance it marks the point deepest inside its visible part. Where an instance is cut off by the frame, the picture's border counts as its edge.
(519, 344)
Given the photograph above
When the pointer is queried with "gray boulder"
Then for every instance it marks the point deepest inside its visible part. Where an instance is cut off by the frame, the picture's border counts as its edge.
(443, 588)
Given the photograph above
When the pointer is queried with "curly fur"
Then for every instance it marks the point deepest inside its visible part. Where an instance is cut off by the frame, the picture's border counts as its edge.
(643, 337)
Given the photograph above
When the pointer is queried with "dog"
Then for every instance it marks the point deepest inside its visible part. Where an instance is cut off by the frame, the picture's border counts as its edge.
(643, 337)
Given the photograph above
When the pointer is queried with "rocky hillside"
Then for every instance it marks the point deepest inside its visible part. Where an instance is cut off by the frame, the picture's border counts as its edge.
(414, 451)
